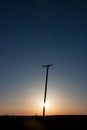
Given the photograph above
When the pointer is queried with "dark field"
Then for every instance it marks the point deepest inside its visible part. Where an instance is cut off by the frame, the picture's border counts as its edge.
(38, 123)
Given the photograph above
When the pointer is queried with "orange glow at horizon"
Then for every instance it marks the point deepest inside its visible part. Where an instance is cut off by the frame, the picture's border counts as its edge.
(61, 110)
(33, 105)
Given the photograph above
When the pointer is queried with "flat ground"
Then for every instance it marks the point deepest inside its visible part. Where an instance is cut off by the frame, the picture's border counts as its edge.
(38, 123)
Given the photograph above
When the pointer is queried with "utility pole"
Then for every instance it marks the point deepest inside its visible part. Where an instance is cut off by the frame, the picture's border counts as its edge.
(47, 69)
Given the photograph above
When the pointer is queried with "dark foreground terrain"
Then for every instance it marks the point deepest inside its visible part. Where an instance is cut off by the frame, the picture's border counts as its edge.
(38, 123)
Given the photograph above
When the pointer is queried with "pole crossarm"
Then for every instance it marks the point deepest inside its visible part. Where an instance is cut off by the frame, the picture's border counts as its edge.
(48, 65)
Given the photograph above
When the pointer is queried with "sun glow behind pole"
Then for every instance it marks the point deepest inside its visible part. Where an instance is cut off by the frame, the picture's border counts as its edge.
(47, 69)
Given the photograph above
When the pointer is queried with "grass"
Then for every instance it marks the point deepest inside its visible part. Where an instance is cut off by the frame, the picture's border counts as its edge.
(74, 122)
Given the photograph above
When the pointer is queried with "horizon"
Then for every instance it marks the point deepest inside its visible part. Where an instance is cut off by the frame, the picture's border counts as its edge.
(45, 115)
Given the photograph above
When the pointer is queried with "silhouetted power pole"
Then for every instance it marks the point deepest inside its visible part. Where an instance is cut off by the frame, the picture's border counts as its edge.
(47, 69)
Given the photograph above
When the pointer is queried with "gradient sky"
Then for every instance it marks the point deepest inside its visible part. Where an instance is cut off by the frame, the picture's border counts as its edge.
(37, 32)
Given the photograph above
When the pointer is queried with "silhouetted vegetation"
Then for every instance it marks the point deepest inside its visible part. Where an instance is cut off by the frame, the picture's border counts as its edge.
(38, 123)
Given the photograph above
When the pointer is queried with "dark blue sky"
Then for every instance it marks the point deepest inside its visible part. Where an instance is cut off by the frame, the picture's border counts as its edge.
(37, 32)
